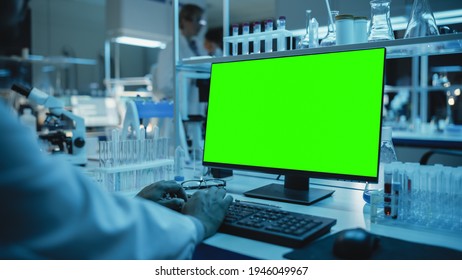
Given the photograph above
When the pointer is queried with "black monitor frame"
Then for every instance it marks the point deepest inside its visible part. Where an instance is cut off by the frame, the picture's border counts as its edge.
(296, 187)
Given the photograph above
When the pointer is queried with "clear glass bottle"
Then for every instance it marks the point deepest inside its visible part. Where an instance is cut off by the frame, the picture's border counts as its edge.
(314, 38)
(380, 26)
(422, 22)
(387, 155)
(305, 40)
(329, 40)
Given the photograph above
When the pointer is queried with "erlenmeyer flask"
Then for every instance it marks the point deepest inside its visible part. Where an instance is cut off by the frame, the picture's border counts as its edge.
(305, 40)
(329, 40)
(422, 22)
(380, 28)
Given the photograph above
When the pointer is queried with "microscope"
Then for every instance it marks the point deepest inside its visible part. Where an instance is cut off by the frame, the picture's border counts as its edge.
(65, 131)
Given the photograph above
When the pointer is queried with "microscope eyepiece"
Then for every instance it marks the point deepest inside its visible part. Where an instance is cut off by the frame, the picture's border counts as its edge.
(21, 89)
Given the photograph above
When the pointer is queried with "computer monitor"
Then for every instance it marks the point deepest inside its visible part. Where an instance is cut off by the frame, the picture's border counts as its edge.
(311, 115)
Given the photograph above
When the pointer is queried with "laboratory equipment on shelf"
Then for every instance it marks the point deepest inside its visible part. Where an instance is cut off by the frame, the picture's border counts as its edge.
(380, 28)
(304, 42)
(143, 109)
(314, 36)
(281, 40)
(245, 42)
(258, 38)
(422, 22)
(360, 32)
(268, 39)
(256, 42)
(179, 164)
(344, 28)
(330, 39)
(63, 133)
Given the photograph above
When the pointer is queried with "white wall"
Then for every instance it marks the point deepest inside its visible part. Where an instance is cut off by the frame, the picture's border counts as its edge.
(75, 26)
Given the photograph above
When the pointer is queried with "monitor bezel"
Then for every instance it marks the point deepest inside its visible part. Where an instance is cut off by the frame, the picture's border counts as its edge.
(308, 173)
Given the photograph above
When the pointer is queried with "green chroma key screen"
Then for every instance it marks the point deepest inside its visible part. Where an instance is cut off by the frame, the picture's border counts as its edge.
(317, 113)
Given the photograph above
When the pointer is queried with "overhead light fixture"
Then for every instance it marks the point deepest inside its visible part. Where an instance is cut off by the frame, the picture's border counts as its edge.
(127, 40)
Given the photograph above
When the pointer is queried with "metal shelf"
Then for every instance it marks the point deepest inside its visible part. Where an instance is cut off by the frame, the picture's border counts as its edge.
(399, 48)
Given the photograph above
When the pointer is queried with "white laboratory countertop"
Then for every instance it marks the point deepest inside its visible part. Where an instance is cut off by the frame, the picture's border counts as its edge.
(346, 205)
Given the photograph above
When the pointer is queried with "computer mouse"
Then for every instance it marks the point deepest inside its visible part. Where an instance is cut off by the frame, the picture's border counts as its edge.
(355, 244)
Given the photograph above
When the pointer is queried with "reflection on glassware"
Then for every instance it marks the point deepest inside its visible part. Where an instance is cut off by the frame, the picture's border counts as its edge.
(422, 22)
(305, 41)
(329, 40)
(380, 27)
(314, 38)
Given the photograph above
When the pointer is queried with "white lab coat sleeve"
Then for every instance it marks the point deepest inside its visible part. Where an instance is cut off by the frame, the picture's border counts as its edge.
(50, 210)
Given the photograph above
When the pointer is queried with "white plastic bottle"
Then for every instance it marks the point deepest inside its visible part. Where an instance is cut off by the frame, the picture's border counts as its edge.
(387, 156)
(29, 120)
(179, 164)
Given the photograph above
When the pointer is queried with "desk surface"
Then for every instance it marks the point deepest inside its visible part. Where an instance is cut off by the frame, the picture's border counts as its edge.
(346, 205)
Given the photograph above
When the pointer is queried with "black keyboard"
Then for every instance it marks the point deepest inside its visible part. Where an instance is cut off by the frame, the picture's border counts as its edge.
(273, 225)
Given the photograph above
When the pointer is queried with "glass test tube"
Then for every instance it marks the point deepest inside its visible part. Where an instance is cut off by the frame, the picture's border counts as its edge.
(245, 41)
(387, 186)
(235, 33)
(281, 25)
(256, 31)
(268, 37)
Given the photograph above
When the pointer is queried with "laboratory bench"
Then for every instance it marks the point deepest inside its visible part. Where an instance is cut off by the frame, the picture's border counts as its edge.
(429, 148)
(346, 205)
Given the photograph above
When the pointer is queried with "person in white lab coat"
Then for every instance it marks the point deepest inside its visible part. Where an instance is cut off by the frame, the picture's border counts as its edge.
(50, 210)
(190, 23)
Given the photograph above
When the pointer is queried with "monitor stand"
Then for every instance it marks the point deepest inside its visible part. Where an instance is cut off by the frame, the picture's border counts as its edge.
(296, 189)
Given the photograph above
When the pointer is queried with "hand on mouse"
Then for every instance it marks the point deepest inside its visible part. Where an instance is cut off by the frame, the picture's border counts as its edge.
(167, 193)
(209, 207)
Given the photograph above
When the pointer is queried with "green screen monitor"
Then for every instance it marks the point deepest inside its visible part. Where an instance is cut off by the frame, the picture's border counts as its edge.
(302, 116)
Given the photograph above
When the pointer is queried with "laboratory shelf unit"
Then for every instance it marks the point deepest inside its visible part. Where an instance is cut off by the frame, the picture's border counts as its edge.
(399, 48)
(417, 49)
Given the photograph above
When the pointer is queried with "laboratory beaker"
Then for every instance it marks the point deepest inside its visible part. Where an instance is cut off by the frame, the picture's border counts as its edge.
(422, 22)
(329, 40)
(380, 27)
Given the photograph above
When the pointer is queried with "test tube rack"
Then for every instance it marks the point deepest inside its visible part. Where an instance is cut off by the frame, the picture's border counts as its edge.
(265, 38)
(420, 196)
(133, 177)
(129, 165)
